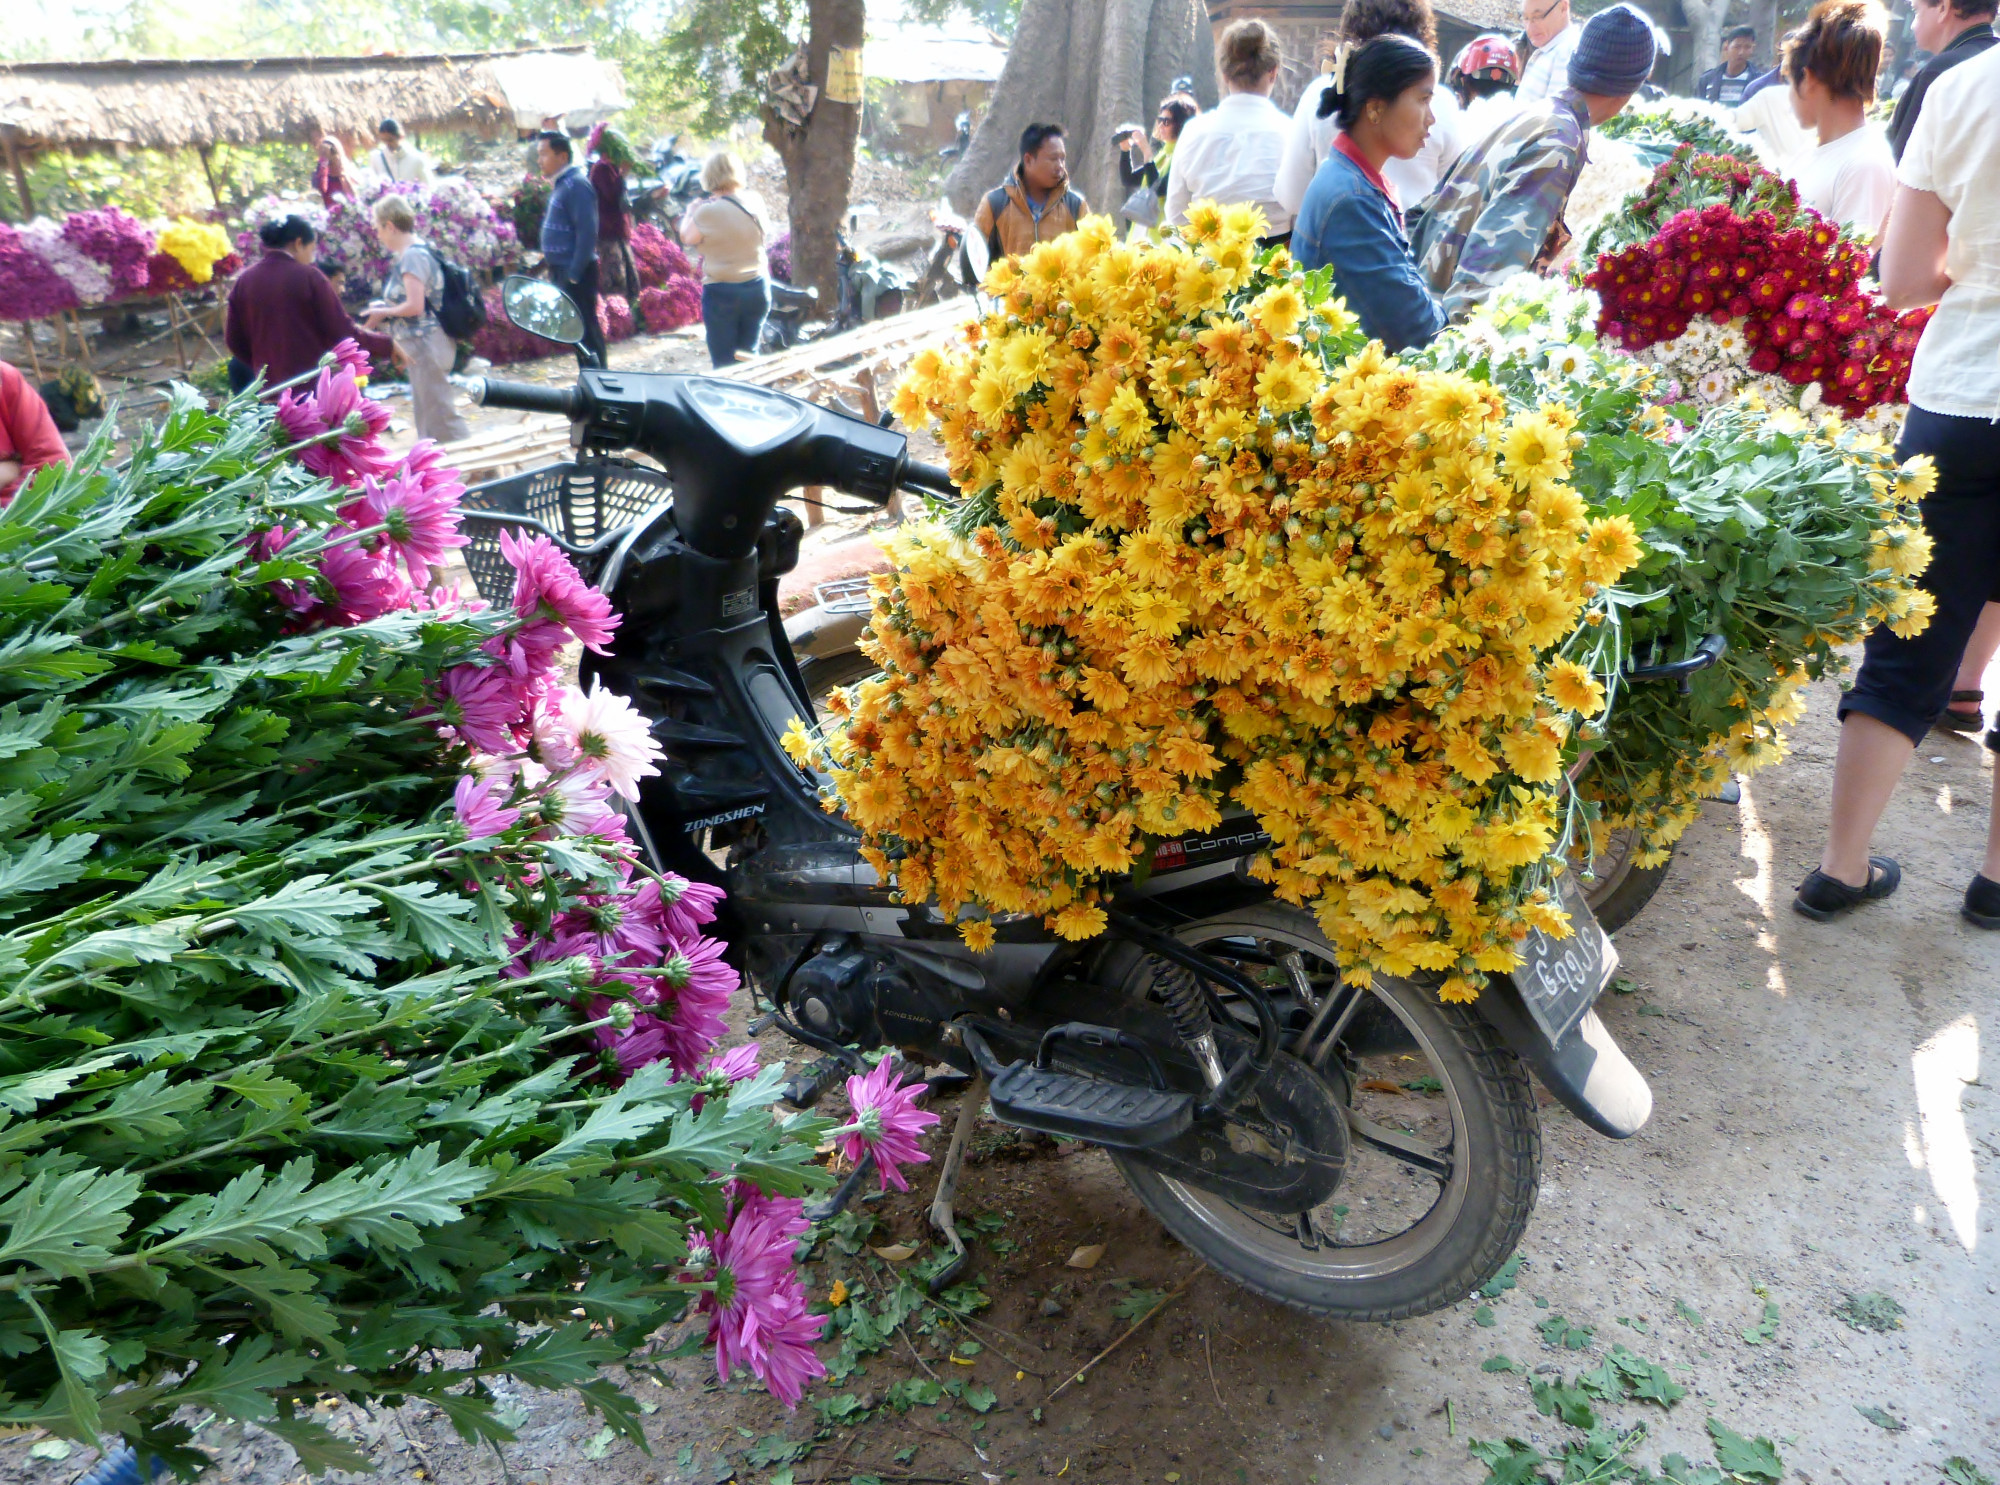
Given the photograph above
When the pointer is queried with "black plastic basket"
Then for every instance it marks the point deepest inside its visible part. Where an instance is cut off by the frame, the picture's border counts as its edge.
(583, 508)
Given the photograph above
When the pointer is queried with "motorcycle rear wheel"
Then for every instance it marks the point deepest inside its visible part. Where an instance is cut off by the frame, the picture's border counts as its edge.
(1487, 1170)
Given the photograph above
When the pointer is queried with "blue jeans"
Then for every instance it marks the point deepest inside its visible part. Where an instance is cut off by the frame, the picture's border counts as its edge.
(733, 315)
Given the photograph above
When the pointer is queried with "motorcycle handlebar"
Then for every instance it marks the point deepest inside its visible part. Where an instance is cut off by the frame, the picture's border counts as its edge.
(920, 476)
(527, 397)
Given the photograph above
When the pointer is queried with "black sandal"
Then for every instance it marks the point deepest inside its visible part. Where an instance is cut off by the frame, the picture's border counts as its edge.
(1982, 903)
(1825, 898)
(1971, 721)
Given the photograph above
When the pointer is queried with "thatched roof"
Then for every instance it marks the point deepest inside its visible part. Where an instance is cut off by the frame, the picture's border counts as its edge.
(168, 104)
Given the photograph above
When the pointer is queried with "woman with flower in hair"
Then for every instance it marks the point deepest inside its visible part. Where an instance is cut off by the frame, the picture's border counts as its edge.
(330, 172)
(614, 156)
(1351, 218)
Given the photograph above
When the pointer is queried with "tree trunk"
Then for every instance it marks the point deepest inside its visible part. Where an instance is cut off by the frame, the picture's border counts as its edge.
(1089, 65)
(1705, 33)
(1763, 15)
(819, 158)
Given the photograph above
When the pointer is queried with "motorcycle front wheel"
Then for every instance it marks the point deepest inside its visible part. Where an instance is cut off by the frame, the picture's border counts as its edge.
(1615, 885)
(1445, 1147)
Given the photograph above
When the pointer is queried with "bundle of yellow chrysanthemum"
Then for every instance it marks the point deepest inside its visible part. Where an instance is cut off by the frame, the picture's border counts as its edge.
(1220, 548)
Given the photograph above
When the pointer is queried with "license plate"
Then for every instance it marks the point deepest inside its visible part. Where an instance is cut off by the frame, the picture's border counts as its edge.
(1561, 978)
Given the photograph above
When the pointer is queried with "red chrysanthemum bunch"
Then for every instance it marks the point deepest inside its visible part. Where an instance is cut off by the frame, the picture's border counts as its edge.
(1789, 276)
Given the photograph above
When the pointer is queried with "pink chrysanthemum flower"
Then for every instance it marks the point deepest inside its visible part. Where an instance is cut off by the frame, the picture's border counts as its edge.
(350, 358)
(609, 737)
(477, 803)
(889, 1123)
(481, 703)
(759, 1304)
(364, 584)
(736, 1064)
(684, 906)
(607, 927)
(299, 597)
(336, 404)
(420, 520)
(548, 587)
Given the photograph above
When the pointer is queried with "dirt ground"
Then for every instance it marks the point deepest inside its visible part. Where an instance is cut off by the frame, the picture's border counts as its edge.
(1821, 1130)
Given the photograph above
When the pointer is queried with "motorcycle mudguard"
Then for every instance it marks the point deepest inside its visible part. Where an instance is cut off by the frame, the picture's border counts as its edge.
(1588, 1073)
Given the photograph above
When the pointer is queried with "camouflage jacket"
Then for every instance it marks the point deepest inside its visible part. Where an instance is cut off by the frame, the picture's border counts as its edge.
(1499, 209)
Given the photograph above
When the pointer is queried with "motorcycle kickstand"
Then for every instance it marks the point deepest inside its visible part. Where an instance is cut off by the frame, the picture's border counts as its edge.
(943, 1221)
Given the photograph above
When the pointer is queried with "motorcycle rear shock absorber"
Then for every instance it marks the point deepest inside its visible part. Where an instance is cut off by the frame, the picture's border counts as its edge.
(1180, 991)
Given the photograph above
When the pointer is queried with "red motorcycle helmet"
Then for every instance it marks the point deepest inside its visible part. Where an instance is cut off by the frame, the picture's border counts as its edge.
(1490, 58)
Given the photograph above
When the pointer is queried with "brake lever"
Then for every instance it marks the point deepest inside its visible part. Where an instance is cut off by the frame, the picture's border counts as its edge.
(1712, 648)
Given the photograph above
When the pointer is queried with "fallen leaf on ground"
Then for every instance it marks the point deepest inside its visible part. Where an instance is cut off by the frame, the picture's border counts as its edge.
(1870, 1311)
(894, 1253)
(1882, 1418)
(1087, 1257)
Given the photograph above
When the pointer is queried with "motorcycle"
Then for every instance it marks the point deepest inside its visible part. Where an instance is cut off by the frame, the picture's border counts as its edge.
(962, 142)
(674, 185)
(785, 325)
(942, 273)
(1362, 1151)
(869, 288)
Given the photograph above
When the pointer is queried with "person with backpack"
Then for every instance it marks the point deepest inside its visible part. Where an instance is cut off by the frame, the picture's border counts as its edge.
(1035, 203)
(411, 297)
(569, 238)
(728, 226)
(283, 312)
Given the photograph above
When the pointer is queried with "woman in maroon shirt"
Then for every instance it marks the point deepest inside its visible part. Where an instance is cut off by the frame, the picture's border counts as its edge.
(283, 314)
(330, 172)
(614, 234)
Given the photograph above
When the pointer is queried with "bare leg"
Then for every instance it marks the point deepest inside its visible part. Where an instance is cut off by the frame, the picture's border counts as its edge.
(1872, 758)
(1979, 652)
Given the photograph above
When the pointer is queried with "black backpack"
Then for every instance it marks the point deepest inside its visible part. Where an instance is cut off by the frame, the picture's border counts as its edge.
(461, 308)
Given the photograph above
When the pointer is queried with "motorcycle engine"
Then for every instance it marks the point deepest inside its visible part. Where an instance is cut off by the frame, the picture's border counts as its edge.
(857, 994)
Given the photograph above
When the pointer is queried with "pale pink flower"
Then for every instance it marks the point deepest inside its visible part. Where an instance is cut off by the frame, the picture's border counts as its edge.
(889, 1123)
(572, 803)
(477, 803)
(548, 587)
(610, 737)
(481, 703)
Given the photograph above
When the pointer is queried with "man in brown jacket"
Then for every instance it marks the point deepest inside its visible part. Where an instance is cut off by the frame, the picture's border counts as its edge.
(1036, 203)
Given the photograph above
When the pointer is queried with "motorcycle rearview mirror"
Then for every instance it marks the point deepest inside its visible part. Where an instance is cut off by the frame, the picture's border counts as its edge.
(542, 309)
(977, 257)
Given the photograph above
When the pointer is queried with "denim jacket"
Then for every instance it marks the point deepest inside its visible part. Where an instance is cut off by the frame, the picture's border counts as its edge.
(1346, 220)
(569, 227)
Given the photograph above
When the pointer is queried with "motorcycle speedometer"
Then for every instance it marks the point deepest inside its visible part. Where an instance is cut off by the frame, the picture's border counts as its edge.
(750, 417)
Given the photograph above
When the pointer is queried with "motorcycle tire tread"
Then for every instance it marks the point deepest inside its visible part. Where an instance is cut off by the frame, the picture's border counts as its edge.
(1508, 1093)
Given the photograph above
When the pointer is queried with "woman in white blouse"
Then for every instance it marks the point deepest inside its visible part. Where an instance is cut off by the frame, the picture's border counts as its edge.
(1230, 154)
(1942, 247)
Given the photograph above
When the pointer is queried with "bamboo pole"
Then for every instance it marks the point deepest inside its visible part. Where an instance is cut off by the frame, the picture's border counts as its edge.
(27, 198)
(34, 356)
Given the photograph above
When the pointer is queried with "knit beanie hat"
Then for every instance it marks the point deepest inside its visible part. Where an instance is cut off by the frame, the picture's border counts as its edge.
(1615, 53)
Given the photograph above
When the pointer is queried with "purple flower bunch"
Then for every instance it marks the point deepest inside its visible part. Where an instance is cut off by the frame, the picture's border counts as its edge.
(669, 307)
(117, 241)
(614, 317)
(778, 257)
(30, 288)
(657, 256)
(451, 215)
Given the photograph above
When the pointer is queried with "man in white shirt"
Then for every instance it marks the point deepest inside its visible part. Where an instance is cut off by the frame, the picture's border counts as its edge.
(394, 160)
(1231, 153)
(1830, 63)
(1553, 32)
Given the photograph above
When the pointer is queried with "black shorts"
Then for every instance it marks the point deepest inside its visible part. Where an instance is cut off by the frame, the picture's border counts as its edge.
(1906, 683)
